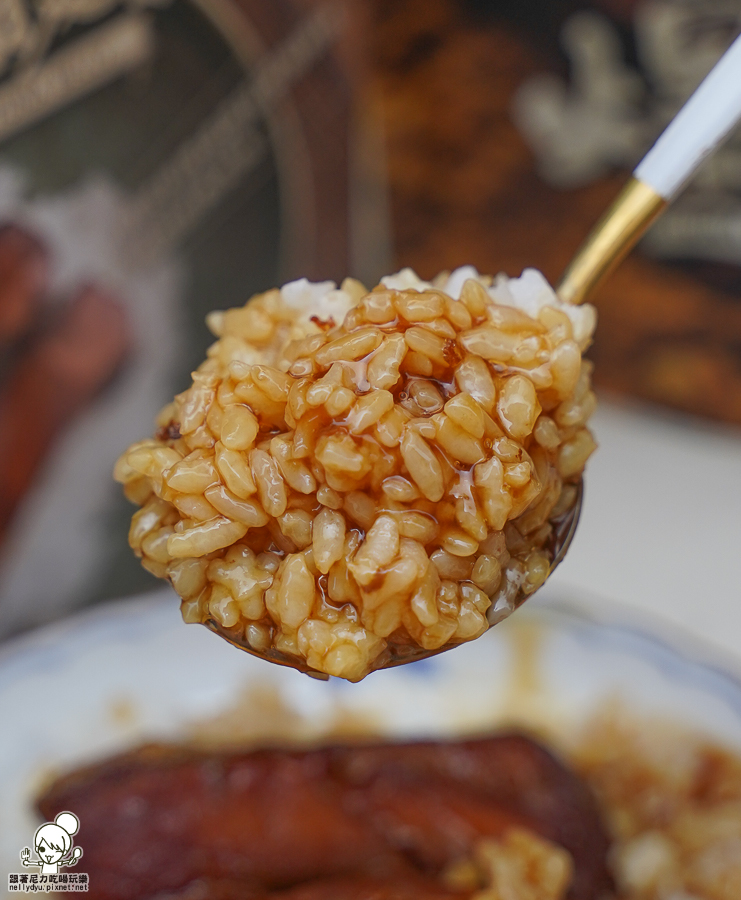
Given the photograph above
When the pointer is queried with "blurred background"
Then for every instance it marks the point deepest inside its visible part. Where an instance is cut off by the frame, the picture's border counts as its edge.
(161, 158)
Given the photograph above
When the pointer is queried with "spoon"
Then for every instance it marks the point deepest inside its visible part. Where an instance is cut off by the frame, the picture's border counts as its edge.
(693, 135)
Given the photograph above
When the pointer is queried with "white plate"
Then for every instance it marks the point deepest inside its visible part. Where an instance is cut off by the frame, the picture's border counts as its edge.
(132, 671)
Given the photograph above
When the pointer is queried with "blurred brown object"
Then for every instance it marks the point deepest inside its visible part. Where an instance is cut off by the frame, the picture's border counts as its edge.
(24, 268)
(241, 824)
(464, 190)
(53, 364)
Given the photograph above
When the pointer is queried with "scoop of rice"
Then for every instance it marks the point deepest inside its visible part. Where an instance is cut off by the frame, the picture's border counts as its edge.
(355, 477)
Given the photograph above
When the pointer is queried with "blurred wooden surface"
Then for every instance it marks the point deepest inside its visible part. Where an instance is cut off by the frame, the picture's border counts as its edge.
(464, 190)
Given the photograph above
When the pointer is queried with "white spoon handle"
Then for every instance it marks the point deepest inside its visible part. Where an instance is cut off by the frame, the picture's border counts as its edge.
(699, 127)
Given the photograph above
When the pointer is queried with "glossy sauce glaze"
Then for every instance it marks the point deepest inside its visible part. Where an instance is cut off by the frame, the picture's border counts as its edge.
(342, 497)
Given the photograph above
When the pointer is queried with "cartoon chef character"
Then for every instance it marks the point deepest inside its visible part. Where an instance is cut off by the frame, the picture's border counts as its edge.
(53, 843)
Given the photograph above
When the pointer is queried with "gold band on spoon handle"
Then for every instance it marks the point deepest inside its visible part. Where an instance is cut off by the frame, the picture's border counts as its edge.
(694, 134)
(633, 212)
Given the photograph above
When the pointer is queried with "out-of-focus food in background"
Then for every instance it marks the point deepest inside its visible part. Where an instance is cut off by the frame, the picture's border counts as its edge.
(639, 810)
(260, 776)
(397, 820)
(65, 359)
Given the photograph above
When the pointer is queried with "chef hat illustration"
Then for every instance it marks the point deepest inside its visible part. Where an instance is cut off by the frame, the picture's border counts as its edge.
(58, 833)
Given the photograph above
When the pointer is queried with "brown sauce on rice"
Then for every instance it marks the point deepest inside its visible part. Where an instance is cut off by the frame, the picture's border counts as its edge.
(345, 497)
